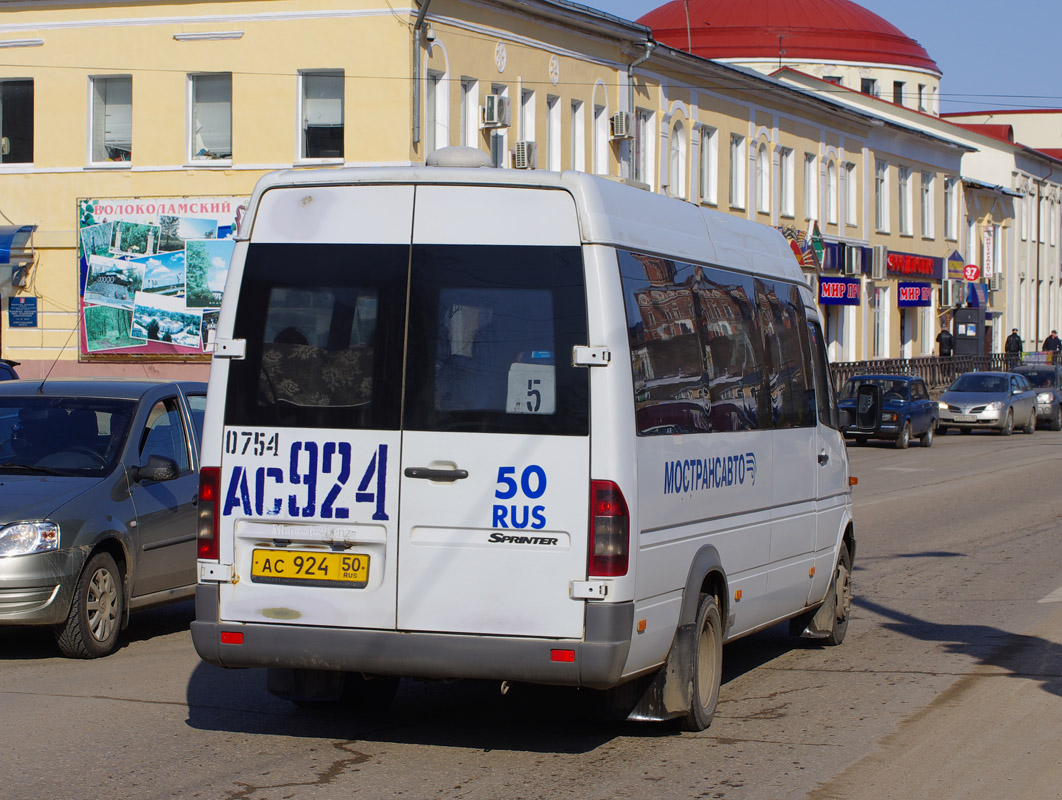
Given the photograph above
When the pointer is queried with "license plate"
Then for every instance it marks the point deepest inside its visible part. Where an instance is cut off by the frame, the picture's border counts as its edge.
(965, 418)
(310, 568)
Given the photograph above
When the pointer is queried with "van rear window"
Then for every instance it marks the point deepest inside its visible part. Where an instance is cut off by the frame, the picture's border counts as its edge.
(488, 347)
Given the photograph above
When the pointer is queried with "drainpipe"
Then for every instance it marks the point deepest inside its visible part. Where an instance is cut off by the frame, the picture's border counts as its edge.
(418, 26)
(649, 45)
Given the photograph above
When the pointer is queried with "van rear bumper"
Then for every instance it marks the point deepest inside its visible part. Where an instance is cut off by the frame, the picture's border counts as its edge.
(598, 658)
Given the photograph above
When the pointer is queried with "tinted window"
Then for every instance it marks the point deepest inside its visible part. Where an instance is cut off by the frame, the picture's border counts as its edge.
(70, 436)
(825, 401)
(977, 382)
(164, 434)
(697, 348)
(324, 328)
(197, 405)
(1041, 379)
(918, 391)
(491, 337)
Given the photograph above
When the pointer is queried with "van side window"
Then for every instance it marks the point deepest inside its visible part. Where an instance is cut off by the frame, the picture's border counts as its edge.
(825, 400)
(784, 327)
(696, 347)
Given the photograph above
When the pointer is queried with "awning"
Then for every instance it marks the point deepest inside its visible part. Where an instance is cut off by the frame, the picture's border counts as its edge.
(990, 187)
(15, 239)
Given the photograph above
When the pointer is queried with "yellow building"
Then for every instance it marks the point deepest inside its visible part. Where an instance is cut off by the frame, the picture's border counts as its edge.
(134, 131)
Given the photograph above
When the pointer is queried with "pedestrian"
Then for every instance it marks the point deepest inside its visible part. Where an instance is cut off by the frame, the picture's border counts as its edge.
(1052, 344)
(946, 342)
(1013, 347)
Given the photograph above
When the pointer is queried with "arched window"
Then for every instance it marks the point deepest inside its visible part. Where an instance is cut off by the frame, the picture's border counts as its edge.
(831, 192)
(763, 180)
(677, 168)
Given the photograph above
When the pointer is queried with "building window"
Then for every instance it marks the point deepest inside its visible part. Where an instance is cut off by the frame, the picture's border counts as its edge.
(641, 159)
(811, 186)
(1041, 205)
(436, 112)
(1023, 216)
(763, 180)
(469, 111)
(927, 205)
(921, 97)
(600, 140)
(881, 196)
(112, 119)
(210, 134)
(16, 122)
(737, 171)
(851, 197)
(677, 161)
(951, 209)
(709, 173)
(1051, 221)
(973, 248)
(786, 179)
(897, 92)
(868, 86)
(322, 114)
(553, 133)
(881, 321)
(499, 140)
(904, 183)
(578, 137)
(527, 115)
(834, 79)
(831, 193)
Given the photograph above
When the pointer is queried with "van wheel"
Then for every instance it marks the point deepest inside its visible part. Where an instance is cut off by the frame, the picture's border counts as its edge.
(840, 598)
(95, 619)
(707, 666)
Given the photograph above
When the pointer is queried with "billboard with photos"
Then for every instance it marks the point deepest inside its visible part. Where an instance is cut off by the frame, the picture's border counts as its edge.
(151, 274)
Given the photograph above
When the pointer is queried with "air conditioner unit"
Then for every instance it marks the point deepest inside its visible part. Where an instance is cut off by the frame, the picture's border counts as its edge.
(949, 293)
(879, 263)
(621, 125)
(853, 260)
(524, 155)
(495, 111)
(995, 283)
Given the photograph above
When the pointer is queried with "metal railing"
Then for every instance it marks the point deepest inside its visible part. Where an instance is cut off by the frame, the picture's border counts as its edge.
(937, 372)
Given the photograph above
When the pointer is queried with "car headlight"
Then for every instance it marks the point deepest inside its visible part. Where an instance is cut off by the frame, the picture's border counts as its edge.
(889, 416)
(22, 538)
(995, 405)
(1044, 397)
(942, 406)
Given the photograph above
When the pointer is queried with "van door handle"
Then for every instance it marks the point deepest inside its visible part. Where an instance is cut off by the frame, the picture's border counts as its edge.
(429, 474)
(824, 458)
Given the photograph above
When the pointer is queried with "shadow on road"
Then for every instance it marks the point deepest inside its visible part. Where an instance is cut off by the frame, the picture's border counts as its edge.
(1021, 656)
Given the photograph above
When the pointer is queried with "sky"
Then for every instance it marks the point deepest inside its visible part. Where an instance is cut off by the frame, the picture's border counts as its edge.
(993, 55)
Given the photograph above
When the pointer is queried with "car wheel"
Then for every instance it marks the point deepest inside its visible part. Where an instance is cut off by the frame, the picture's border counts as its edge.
(707, 666)
(927, 438)
(904, 438)
(840, 596)
(95, 619)
(1008, 423)
(1030, 426)
(1056, 421)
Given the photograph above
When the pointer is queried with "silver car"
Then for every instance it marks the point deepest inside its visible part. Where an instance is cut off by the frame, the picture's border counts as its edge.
(98, 491)
(1001, 401)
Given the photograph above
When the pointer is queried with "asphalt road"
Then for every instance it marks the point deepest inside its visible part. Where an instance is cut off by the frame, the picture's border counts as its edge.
(948, 686)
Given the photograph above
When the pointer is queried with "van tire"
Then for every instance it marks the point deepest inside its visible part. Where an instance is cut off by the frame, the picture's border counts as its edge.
(839, 598)
(707, 666)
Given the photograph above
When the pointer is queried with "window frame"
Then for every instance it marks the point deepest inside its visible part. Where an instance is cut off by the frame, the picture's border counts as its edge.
(737, 172)
(709, 165)
(193, 159)
(95, 98)
(301, 136)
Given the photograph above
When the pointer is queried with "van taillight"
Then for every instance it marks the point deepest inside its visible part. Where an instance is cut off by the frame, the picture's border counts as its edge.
(207, 532)
(610, 530)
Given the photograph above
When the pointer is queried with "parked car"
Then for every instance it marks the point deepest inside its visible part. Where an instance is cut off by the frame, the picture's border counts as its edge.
(997, 400)
(907, 411)
(1046, 379)
(7, 369)
(98, 491)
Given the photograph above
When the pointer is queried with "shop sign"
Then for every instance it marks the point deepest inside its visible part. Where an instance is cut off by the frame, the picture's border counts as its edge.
(956, 266)
(912, 264)
(839, 291)
(912, 295)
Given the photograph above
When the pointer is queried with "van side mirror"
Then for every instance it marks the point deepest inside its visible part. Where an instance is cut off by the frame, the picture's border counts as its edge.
(866, 418)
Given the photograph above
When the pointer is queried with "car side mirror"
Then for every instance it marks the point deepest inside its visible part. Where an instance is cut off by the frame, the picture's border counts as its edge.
(157, 468)
(866, 418)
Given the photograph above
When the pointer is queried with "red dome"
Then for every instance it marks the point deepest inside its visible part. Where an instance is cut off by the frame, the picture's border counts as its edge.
(810, 30)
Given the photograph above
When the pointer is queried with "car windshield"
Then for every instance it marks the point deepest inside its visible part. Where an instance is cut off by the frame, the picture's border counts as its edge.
(1041, 378)
(62, 435)
(890, 389)
(975, 382)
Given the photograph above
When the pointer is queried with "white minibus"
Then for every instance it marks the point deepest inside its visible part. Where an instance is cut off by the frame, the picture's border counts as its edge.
(465, 422)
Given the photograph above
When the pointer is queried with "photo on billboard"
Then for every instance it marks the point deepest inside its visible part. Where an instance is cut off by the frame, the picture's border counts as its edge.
(206, 268)
(166, 319)
(164, 273)
(175, 231)
(109, 328)
(113, 282)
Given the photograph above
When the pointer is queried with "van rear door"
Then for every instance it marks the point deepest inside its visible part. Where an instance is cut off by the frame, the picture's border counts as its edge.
(495, 450)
